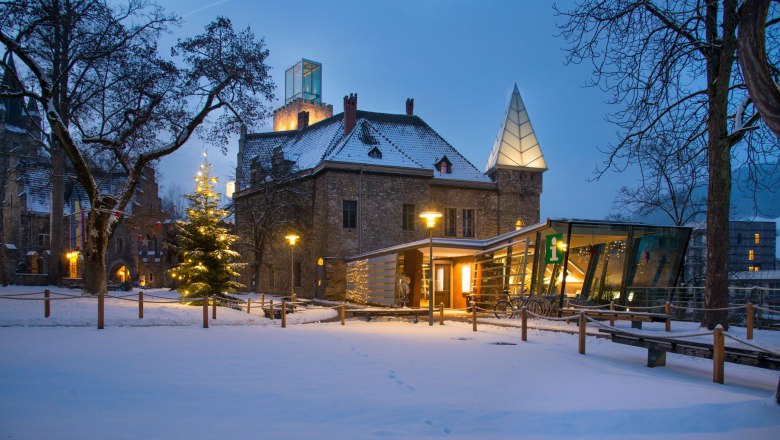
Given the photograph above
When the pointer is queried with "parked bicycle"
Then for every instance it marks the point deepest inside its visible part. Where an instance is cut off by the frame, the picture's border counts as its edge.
(539, 305)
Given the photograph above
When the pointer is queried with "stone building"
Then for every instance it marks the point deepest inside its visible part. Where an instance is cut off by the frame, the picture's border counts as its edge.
(136, 250)
(366, 177)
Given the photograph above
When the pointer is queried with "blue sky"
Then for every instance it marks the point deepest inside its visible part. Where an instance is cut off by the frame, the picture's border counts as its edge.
(459, 61)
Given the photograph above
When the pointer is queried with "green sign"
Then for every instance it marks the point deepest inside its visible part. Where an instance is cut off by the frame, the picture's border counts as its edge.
(553, 253)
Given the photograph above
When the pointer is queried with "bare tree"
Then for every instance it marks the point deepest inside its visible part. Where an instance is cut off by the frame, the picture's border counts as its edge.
(272, 206)
(173, 202)
(670, 183)
(124, 105)
(671, 67)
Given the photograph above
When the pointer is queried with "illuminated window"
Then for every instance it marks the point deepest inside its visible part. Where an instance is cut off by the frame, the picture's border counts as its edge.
(751, 255)
(754, 268)
(757, 238)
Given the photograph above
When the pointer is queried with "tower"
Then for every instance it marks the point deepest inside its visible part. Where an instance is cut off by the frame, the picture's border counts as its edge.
(302, 97)
(516, 164)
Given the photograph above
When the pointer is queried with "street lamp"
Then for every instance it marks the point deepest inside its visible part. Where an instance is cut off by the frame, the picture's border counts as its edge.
(430, 221)
(292, 238)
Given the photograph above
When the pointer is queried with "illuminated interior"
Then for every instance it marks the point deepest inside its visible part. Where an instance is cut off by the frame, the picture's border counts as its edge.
(122, 274)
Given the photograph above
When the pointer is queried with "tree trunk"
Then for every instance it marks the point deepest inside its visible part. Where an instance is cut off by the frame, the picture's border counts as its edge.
(751, 47)
(257, 264)
(720, 61)
(95, 280)
(56, 214)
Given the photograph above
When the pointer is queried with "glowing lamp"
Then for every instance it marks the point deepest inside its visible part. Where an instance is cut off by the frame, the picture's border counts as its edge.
(430, 217)
(292, 238)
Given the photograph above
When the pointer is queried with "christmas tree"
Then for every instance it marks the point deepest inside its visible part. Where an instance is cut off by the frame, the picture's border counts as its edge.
(208, 265)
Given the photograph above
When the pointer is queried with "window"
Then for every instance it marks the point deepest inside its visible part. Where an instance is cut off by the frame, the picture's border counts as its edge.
(444, 165)
(751, 255)
(757, 238)
(468, 222)
(297, 276)
(43, 240)
(754, 268)
(408, 220)
(349, 213)
(151, 277)
(450, 215)
(119, 243)
(375, 153)
(739, 238)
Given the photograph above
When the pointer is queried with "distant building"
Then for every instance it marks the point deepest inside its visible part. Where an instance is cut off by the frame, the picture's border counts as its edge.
(369, 175)
(136, 250)
(752, 248)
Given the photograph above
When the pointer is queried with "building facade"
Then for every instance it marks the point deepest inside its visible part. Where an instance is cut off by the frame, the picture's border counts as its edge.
(136, 251)
(365, 177)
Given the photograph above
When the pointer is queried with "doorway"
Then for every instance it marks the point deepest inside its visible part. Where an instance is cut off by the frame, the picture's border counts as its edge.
(442, 283)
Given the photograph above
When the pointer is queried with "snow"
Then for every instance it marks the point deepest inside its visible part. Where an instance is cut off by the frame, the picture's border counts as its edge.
(245, 377)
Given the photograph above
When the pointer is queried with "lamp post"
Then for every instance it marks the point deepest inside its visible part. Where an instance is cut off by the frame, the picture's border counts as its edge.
(430, 221)
(292, 238)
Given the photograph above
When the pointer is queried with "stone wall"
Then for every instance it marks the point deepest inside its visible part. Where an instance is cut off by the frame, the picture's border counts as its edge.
(286, 117)
(380, 198)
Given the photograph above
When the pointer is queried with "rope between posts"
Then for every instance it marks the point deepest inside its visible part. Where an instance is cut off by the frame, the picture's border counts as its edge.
(767, 309)
(640, 307)
(578, 306)
(23, 294)
(44, 299)
(719, 309)
(646, 335)
(550, 318)
(758, 347)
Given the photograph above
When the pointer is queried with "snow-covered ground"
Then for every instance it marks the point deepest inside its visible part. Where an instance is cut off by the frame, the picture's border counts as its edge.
(165, 377)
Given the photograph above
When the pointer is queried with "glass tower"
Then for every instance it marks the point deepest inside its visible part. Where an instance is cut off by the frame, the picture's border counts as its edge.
(303, 80)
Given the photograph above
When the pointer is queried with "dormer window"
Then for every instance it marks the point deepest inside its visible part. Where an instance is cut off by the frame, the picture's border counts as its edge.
(375, 153)
(444, 165)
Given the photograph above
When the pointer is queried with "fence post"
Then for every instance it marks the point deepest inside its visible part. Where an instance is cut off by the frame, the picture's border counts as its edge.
(140, 304)
(46, 306)
(271, 309)
(262, 300)
(524, 320)
(248, 305)
(441, 313)
(214, 307)
(205, 311)
(717, 355)
(343, 313)
(566, 305)
(668, 311)
(582, 333)
(284, 314)
(750, 311)
(101, 310)
(474, 315)
(612, 308)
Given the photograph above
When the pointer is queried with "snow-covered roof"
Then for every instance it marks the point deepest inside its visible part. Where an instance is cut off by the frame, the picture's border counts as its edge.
(403, 141)
(516, 144)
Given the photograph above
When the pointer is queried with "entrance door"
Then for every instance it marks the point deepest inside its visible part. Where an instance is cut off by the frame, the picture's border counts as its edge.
(442, 282)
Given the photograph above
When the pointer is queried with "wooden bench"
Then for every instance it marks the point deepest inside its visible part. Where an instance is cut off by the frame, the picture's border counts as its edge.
(372, 312)
(636, 318)
(658, 346)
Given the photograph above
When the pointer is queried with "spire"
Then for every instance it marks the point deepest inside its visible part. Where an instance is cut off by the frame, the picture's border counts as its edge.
(516, 144)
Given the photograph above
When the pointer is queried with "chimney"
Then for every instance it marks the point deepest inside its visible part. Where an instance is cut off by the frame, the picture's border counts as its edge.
(303, 120)
(350, 113)
(410, 106)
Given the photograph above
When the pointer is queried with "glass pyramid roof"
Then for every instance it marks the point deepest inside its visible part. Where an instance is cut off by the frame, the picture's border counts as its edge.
(516, 144)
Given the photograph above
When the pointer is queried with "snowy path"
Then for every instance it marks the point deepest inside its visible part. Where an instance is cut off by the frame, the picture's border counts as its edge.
(363, 380)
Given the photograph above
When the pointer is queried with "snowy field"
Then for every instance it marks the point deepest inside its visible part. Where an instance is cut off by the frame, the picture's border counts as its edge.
(165, 377)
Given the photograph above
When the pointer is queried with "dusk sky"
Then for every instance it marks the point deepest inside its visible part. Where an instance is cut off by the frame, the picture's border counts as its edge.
(459, 61)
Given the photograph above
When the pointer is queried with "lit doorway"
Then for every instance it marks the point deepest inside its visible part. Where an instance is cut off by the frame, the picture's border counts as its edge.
(442, 283)
(122, 274)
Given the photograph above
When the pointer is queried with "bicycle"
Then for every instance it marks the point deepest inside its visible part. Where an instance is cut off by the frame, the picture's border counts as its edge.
(511, 306)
